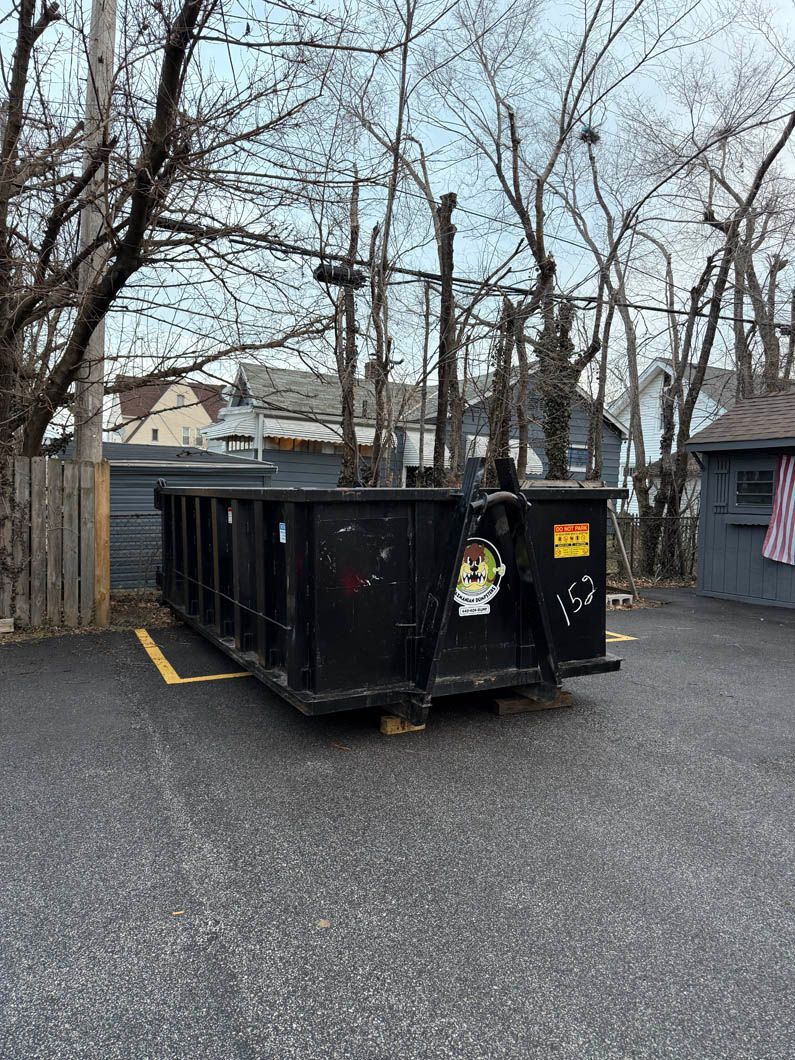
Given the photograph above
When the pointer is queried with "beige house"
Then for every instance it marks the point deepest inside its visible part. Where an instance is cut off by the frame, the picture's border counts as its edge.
(163, 413)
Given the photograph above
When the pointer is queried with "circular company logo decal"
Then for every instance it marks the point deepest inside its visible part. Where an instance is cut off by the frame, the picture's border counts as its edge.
(479, 578)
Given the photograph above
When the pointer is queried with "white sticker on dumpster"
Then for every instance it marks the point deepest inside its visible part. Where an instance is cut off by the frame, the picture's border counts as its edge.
(572, 539)
(283, 533)
(479, 578)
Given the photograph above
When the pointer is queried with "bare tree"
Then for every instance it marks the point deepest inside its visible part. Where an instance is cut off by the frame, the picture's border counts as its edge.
(347, 354)
(190, 184)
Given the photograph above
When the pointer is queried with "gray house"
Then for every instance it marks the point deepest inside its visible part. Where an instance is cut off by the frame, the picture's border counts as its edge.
(476, 430)
(292, 419)
(739, 453)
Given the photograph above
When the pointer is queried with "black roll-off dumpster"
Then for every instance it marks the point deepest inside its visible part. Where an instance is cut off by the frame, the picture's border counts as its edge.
(357, 598)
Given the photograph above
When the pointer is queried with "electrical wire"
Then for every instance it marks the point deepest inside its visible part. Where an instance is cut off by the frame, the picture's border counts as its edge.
(588, 301)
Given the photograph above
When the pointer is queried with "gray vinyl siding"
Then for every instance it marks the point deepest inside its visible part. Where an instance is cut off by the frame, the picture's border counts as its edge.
(135, 549)
(731, 564)
(300, 470)
(476, 423)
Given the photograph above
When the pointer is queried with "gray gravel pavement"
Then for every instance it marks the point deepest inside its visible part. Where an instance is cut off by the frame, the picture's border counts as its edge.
(612, 881)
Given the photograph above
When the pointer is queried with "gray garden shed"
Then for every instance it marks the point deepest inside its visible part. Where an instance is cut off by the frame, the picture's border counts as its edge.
(740, 457)
(134, 523)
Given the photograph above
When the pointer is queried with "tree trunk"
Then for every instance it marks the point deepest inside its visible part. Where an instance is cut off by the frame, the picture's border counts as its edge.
(790, 361)
(557, 382)
(446, 334)
(426, 341)
(347, 357)
(596, 422)
(522, 394)
(381, 358)
(742, 352)
(500, 401)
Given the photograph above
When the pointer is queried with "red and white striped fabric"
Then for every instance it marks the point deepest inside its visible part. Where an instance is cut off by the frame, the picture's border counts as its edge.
(780, 537)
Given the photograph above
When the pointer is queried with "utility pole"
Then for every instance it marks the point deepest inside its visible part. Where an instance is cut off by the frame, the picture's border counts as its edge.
(91, 377)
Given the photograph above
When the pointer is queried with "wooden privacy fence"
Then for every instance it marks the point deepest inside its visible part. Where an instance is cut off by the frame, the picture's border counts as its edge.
(54, 542)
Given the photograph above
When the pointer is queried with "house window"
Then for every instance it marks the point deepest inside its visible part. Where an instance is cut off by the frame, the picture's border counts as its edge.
(155, 434)
(755, 488)
(180, 400)
(198, 436)
(186, 435)
(578, 458)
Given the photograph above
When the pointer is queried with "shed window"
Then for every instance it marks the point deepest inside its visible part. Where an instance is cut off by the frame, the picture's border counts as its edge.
(755, 488)
(578, 458)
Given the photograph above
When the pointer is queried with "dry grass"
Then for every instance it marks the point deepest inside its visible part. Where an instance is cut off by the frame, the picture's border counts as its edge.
(129, 609)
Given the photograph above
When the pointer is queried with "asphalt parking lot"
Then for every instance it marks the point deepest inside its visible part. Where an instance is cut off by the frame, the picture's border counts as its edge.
(195, 870)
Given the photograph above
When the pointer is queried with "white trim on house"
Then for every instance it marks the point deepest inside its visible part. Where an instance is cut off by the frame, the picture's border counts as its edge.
(478, 444)
(243, 423)
(305, 430)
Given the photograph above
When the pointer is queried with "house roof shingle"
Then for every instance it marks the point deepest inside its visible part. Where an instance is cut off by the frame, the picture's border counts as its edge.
(721, 385)
(316, 394)
(137, 401)
(760, 419)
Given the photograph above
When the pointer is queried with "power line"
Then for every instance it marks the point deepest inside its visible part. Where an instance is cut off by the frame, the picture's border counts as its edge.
(588, 301)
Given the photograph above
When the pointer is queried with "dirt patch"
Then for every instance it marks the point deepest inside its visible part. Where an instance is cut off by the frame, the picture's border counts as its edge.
(129, 609)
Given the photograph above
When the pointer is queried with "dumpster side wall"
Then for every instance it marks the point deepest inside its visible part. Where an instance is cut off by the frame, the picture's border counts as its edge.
(327, 595)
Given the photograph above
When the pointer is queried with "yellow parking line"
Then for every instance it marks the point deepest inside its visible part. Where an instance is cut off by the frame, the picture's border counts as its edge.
(614, 638)
(167, 671)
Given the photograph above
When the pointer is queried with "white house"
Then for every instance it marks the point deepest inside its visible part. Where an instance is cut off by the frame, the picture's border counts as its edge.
(718, 394)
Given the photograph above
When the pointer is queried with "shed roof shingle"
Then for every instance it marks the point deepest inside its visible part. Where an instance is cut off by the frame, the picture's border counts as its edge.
(134, 453)
(757, 419)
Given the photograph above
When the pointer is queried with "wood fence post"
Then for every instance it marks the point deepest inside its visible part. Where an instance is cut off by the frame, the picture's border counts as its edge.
(38, 540)
(21, 544)
(6, 539)
(86, 542)
(71, 542)
(55, 573)
(102, 543)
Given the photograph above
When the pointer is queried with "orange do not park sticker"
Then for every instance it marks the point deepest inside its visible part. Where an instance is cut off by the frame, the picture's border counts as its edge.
(572, 539)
